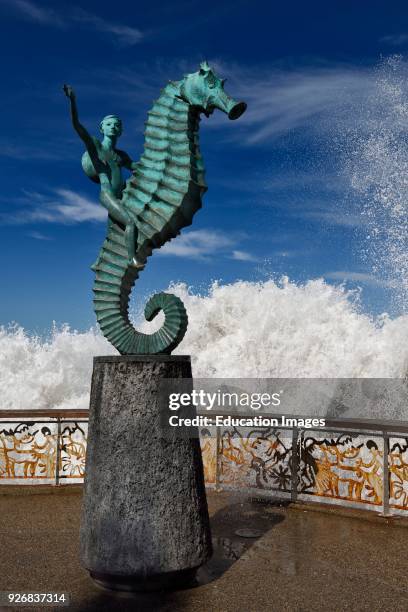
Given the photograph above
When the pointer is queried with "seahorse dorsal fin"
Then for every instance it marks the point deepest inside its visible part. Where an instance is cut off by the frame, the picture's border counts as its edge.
(204, 66)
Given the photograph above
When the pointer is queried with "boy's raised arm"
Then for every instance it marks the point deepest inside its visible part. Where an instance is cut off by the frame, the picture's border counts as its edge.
(82, 132)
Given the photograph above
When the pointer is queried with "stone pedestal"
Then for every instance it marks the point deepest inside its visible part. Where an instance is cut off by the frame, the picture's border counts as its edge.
(145, 520)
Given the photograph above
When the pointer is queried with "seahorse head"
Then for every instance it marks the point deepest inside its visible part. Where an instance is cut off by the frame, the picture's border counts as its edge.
(205, 90)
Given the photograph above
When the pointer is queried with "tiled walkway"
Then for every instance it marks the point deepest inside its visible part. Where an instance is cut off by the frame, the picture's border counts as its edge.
(301, 559)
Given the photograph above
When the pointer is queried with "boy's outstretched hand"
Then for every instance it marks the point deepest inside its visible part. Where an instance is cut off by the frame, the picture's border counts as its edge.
(69, 92)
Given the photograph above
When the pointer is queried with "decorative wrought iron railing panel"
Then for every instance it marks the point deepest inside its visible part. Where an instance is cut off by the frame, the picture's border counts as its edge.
(28, 451)
(262, 462)
(341, 464)
(42, 447)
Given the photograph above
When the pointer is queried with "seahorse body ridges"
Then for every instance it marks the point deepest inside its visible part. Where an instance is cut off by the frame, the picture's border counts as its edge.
(162, 196)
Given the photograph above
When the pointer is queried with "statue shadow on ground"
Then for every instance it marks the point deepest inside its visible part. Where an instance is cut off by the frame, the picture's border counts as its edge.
(235, 527)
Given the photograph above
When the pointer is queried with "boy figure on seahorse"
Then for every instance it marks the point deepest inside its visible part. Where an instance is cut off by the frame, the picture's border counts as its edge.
(102, 163)
(160, 197)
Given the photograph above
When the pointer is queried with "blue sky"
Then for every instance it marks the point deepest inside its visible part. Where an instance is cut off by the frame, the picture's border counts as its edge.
(279, 199)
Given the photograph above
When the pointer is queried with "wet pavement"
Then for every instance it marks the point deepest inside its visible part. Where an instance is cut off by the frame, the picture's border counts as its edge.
(266, 557)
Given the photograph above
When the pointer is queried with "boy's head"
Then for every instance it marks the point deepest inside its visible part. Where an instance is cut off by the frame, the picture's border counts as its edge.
(111, 125)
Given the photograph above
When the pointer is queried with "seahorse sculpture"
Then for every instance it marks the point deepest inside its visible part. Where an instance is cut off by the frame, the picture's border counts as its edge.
(158, 200)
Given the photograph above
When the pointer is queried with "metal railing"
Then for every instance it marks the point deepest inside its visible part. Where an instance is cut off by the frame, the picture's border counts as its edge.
(42, 446)
(357, 463)
(341, 463)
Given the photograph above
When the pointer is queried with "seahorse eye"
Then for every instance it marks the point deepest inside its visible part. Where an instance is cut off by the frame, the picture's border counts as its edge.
(211, 80)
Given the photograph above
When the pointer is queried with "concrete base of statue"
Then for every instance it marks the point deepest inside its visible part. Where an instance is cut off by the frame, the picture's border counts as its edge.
(145, 521)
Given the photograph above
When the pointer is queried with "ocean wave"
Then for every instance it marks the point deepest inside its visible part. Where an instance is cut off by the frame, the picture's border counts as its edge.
(243, 329)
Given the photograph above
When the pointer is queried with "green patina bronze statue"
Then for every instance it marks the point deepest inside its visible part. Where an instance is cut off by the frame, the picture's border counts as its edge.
(160, 197)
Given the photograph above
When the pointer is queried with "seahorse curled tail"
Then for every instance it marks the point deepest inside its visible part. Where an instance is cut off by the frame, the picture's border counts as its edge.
(114, 279)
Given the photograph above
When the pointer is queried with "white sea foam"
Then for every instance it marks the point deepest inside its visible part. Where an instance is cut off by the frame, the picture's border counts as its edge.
(283, 329)
(47, 373)
(245, 329)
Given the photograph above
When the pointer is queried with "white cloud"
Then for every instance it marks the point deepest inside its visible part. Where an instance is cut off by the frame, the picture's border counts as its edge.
(39, 236)
(126, 35)
(306, 181)
(68, 207)
(280, 101)
(51, 152)
(286, 253)
(359, 277)
(122, 34)
(243, 256)
(36, 13)
(199, 244)
(342, 219)
(63, 206)
(205, 244)
(395, 40)
(76, 208)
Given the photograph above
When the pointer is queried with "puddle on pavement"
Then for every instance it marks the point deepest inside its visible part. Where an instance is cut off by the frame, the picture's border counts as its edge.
(235, 529)
(248, 533)
(226, 552)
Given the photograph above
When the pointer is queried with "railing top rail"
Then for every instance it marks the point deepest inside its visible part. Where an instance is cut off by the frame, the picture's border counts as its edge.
(66, 413)
(383, 425)
(338, 424)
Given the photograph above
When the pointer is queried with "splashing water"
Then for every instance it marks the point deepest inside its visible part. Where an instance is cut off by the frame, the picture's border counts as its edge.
(378, 168)
(283, 329)
(245, 329)
(51, 373)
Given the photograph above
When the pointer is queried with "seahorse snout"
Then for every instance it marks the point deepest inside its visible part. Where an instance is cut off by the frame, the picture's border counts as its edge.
(228, 105)
(237, 110)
